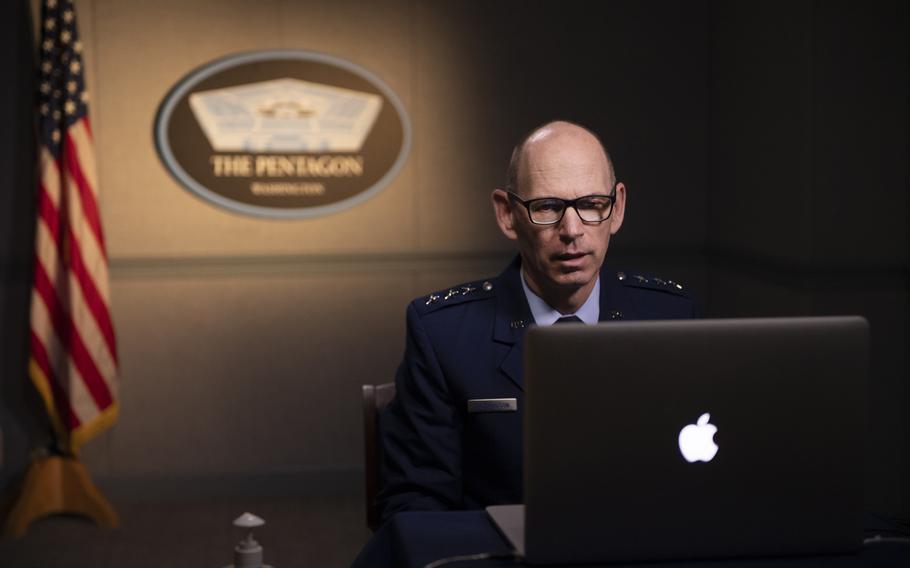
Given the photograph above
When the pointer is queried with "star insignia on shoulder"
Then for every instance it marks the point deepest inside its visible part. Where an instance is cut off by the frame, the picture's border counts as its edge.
(457, 294)
(653, 282)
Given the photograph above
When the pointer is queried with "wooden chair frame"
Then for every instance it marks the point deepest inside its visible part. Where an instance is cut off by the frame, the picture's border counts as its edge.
(375, 398)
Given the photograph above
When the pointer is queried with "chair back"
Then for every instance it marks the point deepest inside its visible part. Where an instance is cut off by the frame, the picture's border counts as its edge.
(375, 398)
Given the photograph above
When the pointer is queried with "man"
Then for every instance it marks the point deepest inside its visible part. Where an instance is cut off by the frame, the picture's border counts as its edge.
(444, 446)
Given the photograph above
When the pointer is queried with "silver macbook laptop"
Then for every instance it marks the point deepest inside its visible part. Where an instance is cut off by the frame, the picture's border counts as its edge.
(691, 439)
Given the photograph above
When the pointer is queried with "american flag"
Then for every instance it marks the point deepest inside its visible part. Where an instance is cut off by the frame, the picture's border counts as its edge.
(73, 360)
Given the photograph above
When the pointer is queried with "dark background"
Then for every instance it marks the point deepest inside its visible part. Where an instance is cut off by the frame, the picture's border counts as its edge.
(765, 146)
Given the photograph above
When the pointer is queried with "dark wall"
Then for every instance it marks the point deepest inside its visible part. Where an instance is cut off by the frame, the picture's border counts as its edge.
(635, 73)
(19, 420)
(807, 204)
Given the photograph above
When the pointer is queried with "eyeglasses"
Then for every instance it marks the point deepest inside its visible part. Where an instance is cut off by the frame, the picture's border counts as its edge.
(550, 210)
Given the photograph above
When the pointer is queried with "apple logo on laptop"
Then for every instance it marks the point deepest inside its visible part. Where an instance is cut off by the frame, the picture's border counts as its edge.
(696, 441)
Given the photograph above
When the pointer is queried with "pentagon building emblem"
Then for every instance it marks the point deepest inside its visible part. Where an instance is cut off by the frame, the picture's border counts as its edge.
(285, 115)
(282, 134)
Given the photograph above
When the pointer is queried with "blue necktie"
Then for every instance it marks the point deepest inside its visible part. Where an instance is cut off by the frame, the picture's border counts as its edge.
(569, 319)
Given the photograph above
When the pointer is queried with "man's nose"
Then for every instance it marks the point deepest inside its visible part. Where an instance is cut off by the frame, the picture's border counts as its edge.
(571, 226)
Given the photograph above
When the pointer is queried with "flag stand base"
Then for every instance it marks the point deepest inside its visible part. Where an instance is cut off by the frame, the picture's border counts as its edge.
(58, 485)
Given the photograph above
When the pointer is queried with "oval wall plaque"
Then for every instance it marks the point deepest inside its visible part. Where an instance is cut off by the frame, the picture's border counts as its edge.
(282, 133)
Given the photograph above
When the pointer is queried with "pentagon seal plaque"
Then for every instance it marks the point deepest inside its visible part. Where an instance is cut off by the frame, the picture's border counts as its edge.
(284, 134)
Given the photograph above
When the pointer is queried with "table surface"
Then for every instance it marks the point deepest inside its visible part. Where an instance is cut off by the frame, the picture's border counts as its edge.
(415, 539)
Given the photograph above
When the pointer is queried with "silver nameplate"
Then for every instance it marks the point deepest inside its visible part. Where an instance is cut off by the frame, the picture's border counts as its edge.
(492, 405)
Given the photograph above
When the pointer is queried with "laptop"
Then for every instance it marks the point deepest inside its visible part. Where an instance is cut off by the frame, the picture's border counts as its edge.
(691, 439)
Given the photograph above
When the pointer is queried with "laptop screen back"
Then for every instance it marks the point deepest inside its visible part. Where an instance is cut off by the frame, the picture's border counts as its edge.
(657, 440)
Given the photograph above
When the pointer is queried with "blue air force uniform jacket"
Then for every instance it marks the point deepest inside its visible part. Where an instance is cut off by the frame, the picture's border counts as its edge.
(465, 343)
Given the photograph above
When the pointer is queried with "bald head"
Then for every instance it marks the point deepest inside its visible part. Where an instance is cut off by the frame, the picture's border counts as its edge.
(560, 162)
(556, 144)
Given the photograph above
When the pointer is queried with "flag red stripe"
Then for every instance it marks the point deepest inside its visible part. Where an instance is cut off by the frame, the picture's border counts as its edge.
(64, 410)
(73, 170)
(92, 297)
(71, 341)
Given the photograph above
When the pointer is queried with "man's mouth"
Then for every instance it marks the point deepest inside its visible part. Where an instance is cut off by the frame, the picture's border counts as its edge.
(569, 256)
(570, 261)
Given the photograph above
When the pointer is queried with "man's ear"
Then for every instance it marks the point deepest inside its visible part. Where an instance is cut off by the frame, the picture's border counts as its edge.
(619, 209)
(502, 208)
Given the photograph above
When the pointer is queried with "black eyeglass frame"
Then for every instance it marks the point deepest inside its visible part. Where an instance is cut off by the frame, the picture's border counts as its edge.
(566, 204)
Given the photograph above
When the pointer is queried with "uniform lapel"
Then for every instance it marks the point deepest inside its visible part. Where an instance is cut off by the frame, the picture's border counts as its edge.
(614, 301)
(513, 316)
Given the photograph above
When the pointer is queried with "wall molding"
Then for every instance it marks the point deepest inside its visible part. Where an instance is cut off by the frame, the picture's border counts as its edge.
(234, 265)
(226, 265)
(766, 267)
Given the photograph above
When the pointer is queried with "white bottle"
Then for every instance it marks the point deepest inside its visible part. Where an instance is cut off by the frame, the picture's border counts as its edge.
(248, 552)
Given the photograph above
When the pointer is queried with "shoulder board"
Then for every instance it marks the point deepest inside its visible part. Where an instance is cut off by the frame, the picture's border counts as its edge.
(650, 283)
(456, 295)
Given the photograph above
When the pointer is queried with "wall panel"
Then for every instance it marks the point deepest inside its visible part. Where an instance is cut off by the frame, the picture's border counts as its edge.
(247, 373)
